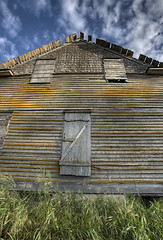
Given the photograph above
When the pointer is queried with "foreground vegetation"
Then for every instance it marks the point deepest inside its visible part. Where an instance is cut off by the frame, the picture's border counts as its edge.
(42, 216)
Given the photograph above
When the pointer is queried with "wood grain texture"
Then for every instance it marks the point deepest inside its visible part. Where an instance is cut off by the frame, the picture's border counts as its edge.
(114, 69)
(76, 145)
(126, 131)
(4, 121)
(42, 72)
(80, 57)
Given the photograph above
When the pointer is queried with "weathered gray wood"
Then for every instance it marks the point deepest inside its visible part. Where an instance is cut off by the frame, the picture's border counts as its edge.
(73, 142)
(41, 80)
(6, 72)
(43, 70)
(45, 61)
(81, 35)
(155, 71)
(127, 131)
(70, 38)
(76, 145)
(4, 120)
(155, 63)
(89, 38)
(75, 170)
(142, 57)
(143, 189)
(77, 115)
(148, 60)
(130, 53)
(114, 69)
(41, 75)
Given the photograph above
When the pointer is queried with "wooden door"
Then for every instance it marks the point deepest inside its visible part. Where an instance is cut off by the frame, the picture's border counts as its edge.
(76, 145)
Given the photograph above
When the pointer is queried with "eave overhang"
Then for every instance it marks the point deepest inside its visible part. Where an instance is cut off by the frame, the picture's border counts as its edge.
(6, 73)
(155, 71)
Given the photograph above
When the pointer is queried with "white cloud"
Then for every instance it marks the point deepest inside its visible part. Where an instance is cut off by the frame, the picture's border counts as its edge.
(74, 15)
(36, 38)
(36, 7)
(144, 29)
(28, 43)
(139, 26)
(134, 24)
(15, 6)
(108, 12)
(155, 8)
(46, 35)
(7, 49)
(10, 23)
(101, 8)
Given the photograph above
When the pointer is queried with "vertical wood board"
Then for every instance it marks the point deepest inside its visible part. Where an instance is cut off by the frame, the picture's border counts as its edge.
(43, 71)
(114, 69)
(4, 120)
(76, 145)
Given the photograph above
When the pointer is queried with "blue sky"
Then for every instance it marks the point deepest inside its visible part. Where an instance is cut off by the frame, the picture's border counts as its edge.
(29, 24)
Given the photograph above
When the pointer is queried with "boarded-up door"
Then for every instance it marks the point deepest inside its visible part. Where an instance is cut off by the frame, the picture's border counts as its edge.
(76, 145)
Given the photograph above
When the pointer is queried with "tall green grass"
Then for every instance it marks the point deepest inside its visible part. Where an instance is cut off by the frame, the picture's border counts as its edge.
(42, 216)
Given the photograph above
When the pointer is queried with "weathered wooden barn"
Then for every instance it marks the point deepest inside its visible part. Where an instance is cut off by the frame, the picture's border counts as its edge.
(88, 115)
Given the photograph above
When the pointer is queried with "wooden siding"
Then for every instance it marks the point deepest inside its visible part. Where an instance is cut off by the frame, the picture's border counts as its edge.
(126, 131)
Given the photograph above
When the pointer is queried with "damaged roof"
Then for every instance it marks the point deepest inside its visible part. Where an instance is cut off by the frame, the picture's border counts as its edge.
(72, 38)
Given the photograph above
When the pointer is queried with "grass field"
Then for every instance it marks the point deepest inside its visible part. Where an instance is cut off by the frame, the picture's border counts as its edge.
(43, 216)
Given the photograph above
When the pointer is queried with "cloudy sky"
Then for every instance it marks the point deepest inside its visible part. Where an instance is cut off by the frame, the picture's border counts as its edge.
(133, 24)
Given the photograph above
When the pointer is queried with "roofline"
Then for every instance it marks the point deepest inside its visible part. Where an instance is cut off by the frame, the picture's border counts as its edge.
(116, 49)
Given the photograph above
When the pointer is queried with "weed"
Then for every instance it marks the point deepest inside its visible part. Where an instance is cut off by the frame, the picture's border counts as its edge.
(67, 216)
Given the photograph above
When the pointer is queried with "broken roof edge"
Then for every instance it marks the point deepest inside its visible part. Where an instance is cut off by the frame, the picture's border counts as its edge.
(6, 72)
(129, 53)
(31, 55)
(73, 38)
(155, 71)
